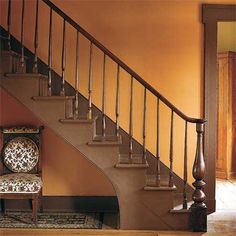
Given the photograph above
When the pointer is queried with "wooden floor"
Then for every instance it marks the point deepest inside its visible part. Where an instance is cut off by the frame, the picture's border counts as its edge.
(226, 194)
(222, 222)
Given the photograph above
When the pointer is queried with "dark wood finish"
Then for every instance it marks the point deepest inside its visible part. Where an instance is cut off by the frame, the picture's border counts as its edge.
(158, 177)
(121, 63)
(34, 197)
(199, 210)
(185, 200)
(35, 67)
(171, 181)
(22, 36)
(131, 120)
(68, 204)
(104, 97)
(50, 56)
(63, 60)
(144, 125)
(9, 26)
(76, 104)
(117, 100)
(211, 14)
(90, 81)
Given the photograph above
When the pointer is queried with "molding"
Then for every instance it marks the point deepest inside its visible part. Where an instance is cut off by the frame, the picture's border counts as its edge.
(211, 14)
(221, 174)
(69, 204)
(232, 175)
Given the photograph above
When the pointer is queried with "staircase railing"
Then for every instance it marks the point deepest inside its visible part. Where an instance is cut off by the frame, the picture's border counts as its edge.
(198, 208)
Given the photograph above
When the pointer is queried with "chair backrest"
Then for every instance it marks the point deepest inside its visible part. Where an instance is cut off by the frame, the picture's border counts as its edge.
(21, 150)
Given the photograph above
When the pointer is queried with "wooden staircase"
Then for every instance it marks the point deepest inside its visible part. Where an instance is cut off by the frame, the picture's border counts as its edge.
(145, 201)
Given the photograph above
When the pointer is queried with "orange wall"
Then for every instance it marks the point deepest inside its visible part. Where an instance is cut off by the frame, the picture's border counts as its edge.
(161, 40)
(65, 172)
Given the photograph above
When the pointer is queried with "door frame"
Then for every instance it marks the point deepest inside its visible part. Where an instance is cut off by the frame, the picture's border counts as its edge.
(211, 14)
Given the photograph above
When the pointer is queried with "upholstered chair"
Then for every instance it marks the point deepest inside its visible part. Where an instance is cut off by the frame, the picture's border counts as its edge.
(20, 166)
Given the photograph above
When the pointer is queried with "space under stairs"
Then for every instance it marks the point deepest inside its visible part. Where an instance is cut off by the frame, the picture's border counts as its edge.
(146, 188)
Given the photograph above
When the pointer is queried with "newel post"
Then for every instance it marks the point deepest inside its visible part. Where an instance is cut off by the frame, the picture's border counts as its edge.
(198, 217)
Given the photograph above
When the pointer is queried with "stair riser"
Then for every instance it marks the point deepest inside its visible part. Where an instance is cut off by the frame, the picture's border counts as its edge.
(10, 63)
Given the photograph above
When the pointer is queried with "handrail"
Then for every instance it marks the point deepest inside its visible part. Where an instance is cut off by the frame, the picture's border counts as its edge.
(122, 64)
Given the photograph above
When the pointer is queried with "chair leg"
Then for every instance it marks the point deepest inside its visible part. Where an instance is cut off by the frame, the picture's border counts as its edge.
(35, 209)
(3, 206)
(40, 201)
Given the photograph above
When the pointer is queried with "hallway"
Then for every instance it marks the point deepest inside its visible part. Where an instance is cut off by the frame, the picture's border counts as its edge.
(224, 219)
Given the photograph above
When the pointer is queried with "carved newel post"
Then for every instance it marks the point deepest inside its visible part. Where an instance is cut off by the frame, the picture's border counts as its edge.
(198, 218)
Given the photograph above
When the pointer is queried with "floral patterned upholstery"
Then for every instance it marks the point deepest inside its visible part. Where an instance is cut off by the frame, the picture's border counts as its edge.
(20, 183)
(21, 154)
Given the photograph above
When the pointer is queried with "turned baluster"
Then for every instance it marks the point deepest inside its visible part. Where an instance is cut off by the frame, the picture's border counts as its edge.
(35, 67)
(22, 60)
(144, 125)
(89, 116)
(185, 206)
(50, 56)
(63, 61)
(117, 100)
(198, 217)
(76, 105)
(131, 121)
(9, 26)
(158, 177)
(104, 97)
(171, 181)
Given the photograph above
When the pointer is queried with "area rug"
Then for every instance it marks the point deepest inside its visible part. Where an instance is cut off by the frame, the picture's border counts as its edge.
(52, 220)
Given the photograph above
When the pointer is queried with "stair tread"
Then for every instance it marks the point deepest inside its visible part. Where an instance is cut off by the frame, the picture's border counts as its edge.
(109, 140)
(161, 188)
(180, 210)
(26, 75)
(134, 159)
(78, 120)
(46, 98)
(132, 165)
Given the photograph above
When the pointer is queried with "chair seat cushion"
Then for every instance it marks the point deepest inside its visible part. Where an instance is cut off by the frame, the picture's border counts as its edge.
(20, 183)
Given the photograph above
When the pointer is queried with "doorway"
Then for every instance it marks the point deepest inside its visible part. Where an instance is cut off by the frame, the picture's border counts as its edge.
(226, 140)
(211, 15)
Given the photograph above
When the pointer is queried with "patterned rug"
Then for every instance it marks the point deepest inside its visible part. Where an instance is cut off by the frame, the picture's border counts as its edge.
(52, 220)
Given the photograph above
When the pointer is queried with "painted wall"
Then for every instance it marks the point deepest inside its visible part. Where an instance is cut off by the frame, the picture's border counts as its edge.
(161, 40)
(226, 37)
(64, 171)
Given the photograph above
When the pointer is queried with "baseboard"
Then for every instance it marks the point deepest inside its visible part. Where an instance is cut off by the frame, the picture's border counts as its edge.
(232, 175)
(221, 174)
(69, 204)
(225, 175)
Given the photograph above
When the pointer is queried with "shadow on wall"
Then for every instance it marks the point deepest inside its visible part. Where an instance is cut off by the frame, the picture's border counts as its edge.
(65, 171)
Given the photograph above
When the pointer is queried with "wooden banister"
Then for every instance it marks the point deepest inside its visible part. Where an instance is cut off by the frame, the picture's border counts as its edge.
(122, 64)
